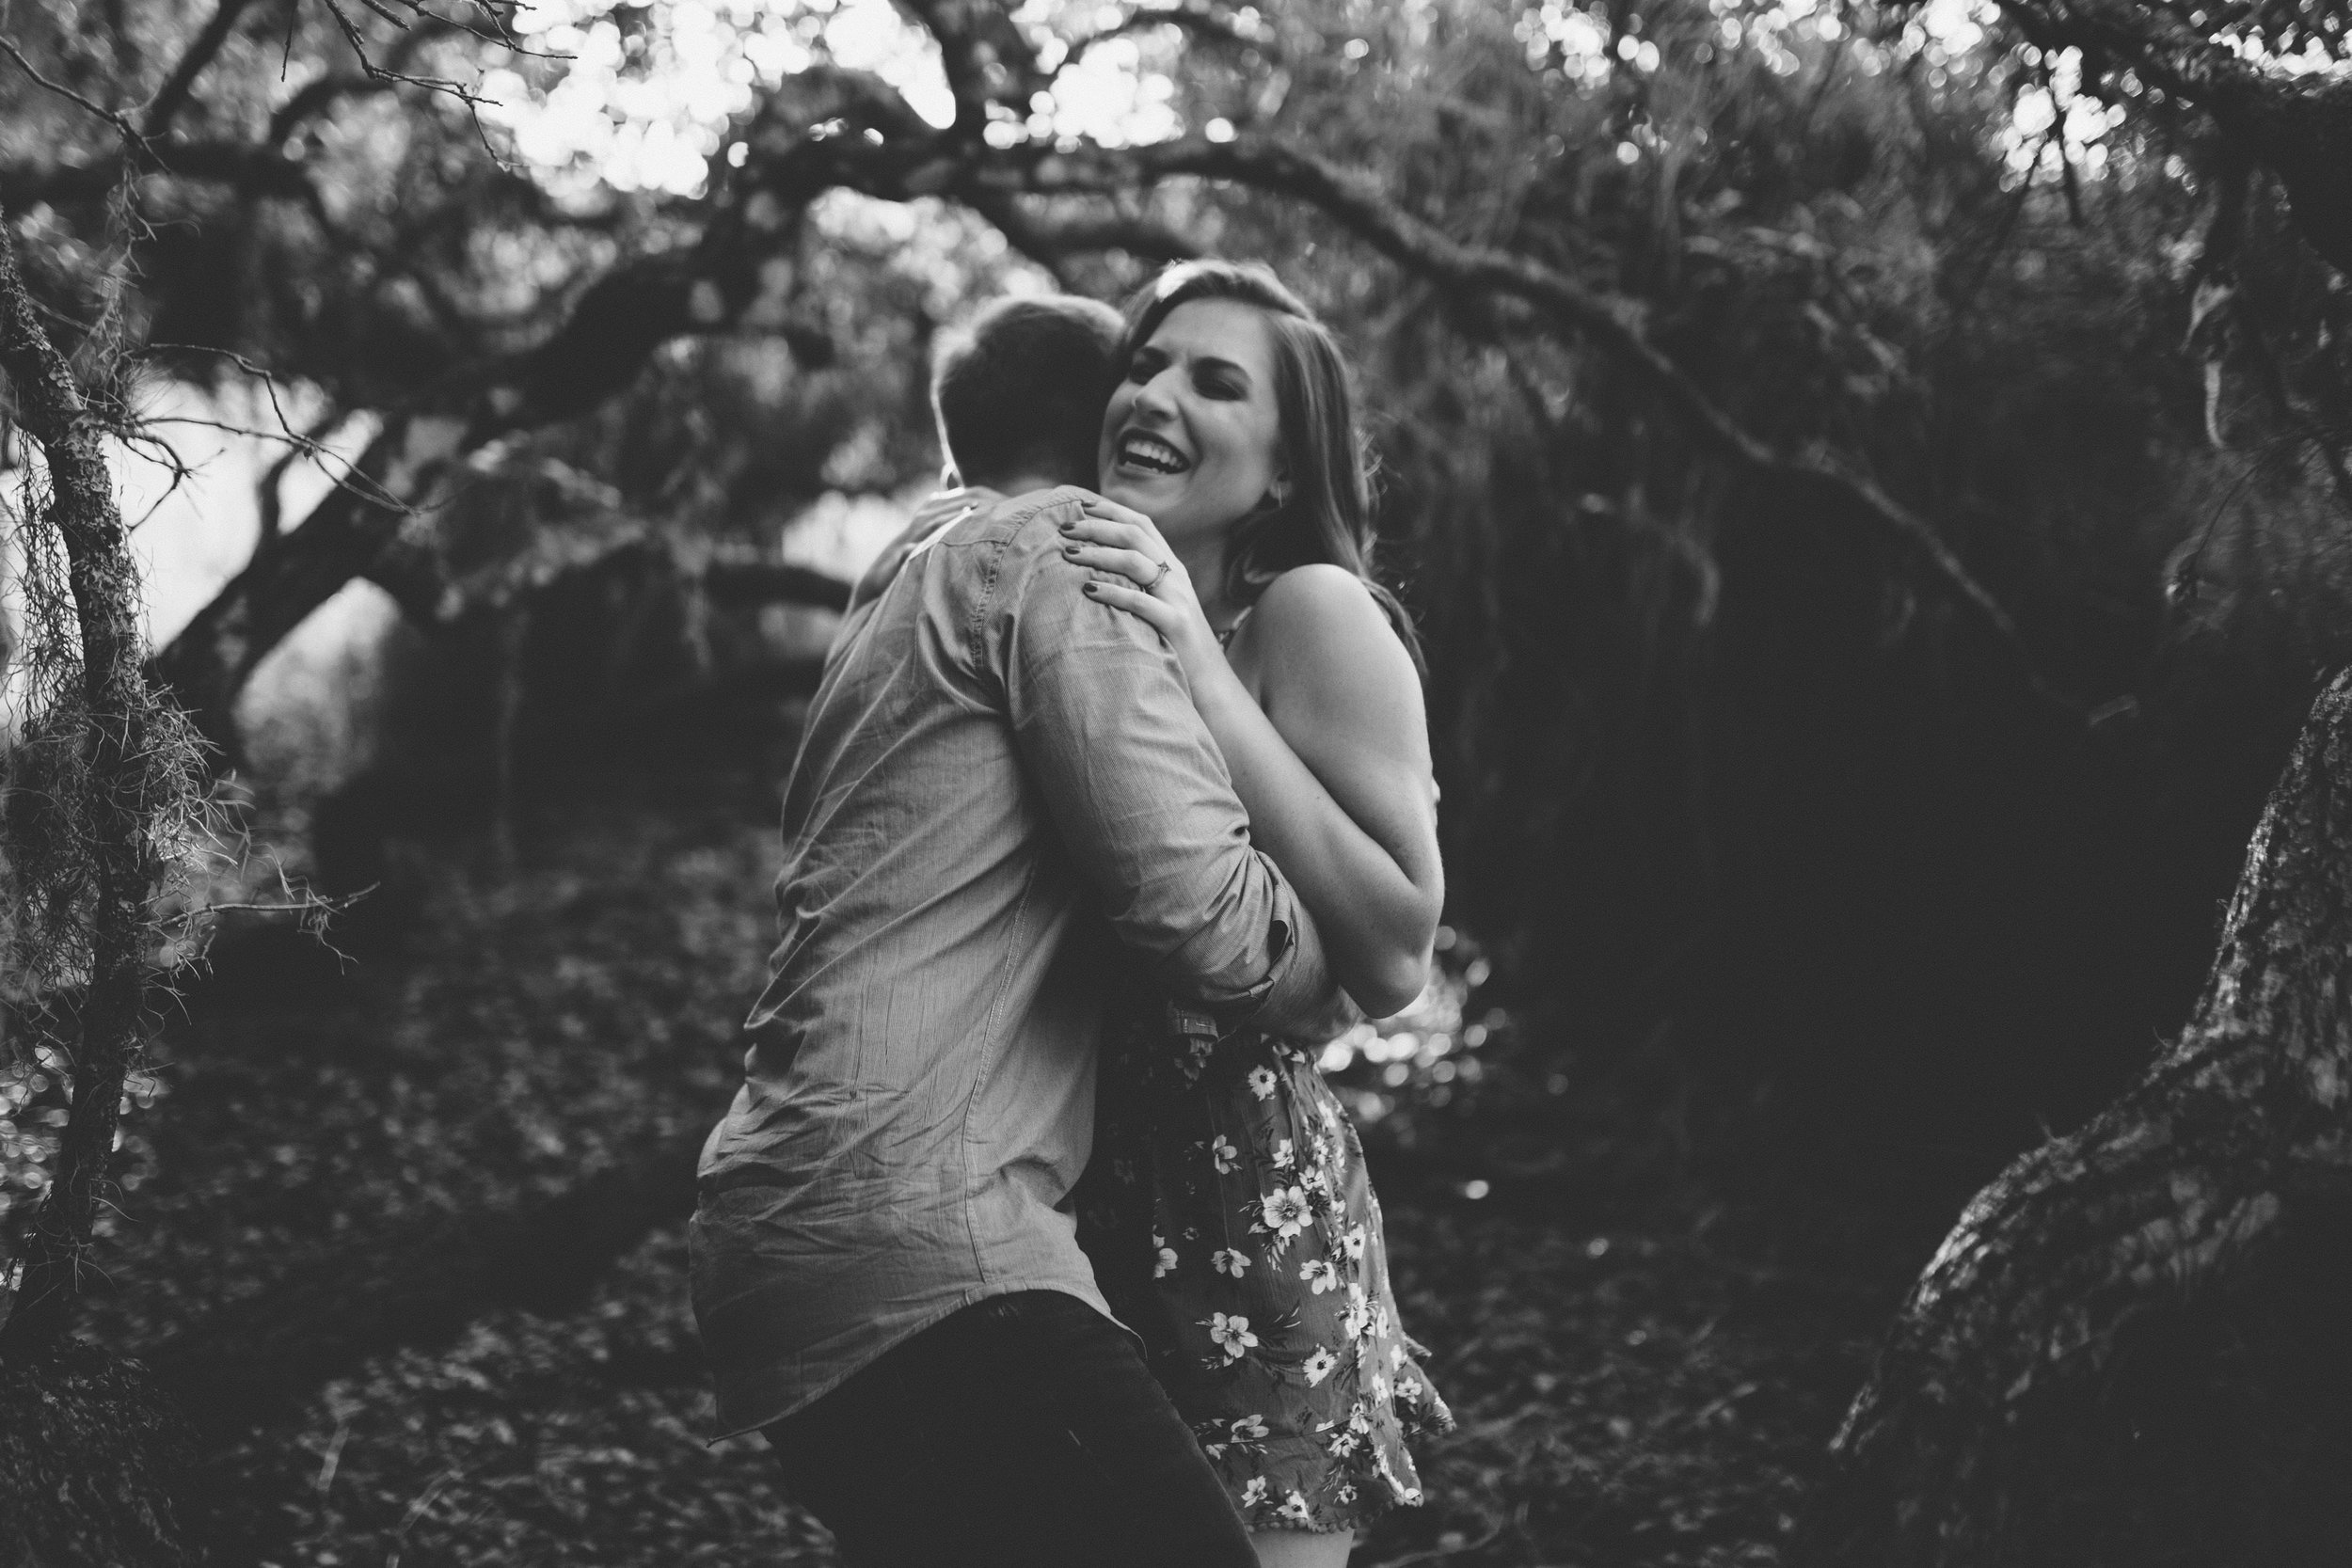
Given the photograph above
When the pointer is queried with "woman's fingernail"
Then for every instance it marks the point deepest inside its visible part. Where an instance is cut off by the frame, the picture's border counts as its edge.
(1071, 551)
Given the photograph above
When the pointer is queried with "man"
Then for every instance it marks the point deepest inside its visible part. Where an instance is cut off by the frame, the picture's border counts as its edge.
(998, 775)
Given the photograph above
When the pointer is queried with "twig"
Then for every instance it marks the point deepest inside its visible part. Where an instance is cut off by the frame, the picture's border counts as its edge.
(312, 97)
(120, 121)
(353, 479)
(307, 904)
(416, 1512)
(304, 444)
(269, 503)
(180, 470)
(332, 1459)
(1708, 1411)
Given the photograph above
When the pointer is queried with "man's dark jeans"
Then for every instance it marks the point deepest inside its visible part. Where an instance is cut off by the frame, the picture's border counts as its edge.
(1022, 1432)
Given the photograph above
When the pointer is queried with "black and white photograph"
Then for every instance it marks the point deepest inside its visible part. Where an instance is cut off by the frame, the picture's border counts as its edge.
(1175, 783)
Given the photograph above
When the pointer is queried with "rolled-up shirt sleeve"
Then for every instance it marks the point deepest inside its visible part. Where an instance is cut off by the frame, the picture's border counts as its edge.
(1140, 797)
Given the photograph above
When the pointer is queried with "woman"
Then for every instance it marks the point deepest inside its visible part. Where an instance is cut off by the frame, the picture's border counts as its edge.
(1228, 1213)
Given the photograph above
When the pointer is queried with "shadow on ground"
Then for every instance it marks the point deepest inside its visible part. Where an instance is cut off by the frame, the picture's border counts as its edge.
(409, 1242)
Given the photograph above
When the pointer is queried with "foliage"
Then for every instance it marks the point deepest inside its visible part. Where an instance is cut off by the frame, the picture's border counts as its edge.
(1717, 761)
(1722, 764)
(1750, 810)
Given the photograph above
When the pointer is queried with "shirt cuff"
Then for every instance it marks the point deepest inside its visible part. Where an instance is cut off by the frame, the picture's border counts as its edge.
(1304, 1001)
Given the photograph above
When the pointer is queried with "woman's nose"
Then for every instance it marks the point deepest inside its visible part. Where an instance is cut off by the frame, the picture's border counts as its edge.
(1156, 397)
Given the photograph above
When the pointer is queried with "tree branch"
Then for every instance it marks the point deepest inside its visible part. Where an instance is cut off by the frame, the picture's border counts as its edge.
(206, 665)
(1050, 241)
(254, 171)
(986, 57)
(315, 97)
(899, 167)
(173, 95)
(112, 116)
(828, 129)
(1205, 23)
(2299, 127)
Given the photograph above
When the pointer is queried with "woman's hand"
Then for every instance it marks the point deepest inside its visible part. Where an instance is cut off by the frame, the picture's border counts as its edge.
(1146, 581)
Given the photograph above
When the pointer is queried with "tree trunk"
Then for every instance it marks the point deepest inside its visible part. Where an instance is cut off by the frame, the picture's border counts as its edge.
(292, 575)
(116, 739)
(2131, 1347)
(601, 346)
(94, 1452)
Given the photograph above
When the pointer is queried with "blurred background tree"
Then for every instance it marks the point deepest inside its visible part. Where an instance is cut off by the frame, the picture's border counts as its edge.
(1871, 477)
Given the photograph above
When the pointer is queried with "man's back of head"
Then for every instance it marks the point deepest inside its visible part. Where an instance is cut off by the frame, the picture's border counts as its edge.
(1019, 392)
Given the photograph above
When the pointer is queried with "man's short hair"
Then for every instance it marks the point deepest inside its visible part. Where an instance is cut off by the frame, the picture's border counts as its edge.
(1021, 390)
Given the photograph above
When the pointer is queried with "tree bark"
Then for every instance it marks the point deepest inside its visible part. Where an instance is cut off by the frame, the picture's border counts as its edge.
(353, 533)
(2032, 1400)
(207, 664)
(105, 585)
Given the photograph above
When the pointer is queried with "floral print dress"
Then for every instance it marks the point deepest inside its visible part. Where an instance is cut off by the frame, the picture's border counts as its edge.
(1232, 1227)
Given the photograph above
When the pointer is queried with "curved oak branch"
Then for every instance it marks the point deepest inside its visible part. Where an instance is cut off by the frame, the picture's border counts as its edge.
(829, 129)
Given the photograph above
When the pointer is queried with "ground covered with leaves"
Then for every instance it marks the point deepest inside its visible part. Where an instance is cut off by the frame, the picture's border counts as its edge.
(1646, 1370)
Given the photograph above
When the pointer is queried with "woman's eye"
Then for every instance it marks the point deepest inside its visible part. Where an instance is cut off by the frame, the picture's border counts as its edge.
(1219, 387)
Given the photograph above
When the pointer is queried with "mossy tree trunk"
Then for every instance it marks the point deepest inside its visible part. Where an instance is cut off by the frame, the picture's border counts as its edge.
(2107, 1354)
(80, 507)
(91, 1448)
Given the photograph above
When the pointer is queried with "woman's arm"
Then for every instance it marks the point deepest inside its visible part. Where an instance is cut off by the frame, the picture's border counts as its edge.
(1335, 775)
(1334, 771)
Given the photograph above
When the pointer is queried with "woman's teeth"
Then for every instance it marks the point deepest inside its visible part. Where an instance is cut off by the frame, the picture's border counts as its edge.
(1142, 451)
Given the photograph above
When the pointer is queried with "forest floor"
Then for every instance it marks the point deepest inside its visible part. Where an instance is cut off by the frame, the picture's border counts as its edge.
(1646, 1370)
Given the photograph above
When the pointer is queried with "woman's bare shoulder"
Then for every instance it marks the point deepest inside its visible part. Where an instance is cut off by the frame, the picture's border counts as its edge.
(1326, 616)
(1323, 640)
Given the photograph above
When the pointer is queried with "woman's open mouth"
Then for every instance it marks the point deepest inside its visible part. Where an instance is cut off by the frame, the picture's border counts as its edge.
(1151, 454)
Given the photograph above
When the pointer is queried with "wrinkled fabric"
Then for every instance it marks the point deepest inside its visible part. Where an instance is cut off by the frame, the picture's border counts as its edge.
(999, 776)
(933, 513)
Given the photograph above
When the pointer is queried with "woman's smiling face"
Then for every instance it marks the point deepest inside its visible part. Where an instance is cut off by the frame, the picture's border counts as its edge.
(1192, 438)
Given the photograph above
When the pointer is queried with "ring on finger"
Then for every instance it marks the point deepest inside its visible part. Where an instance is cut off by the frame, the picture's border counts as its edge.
(1163, 573)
